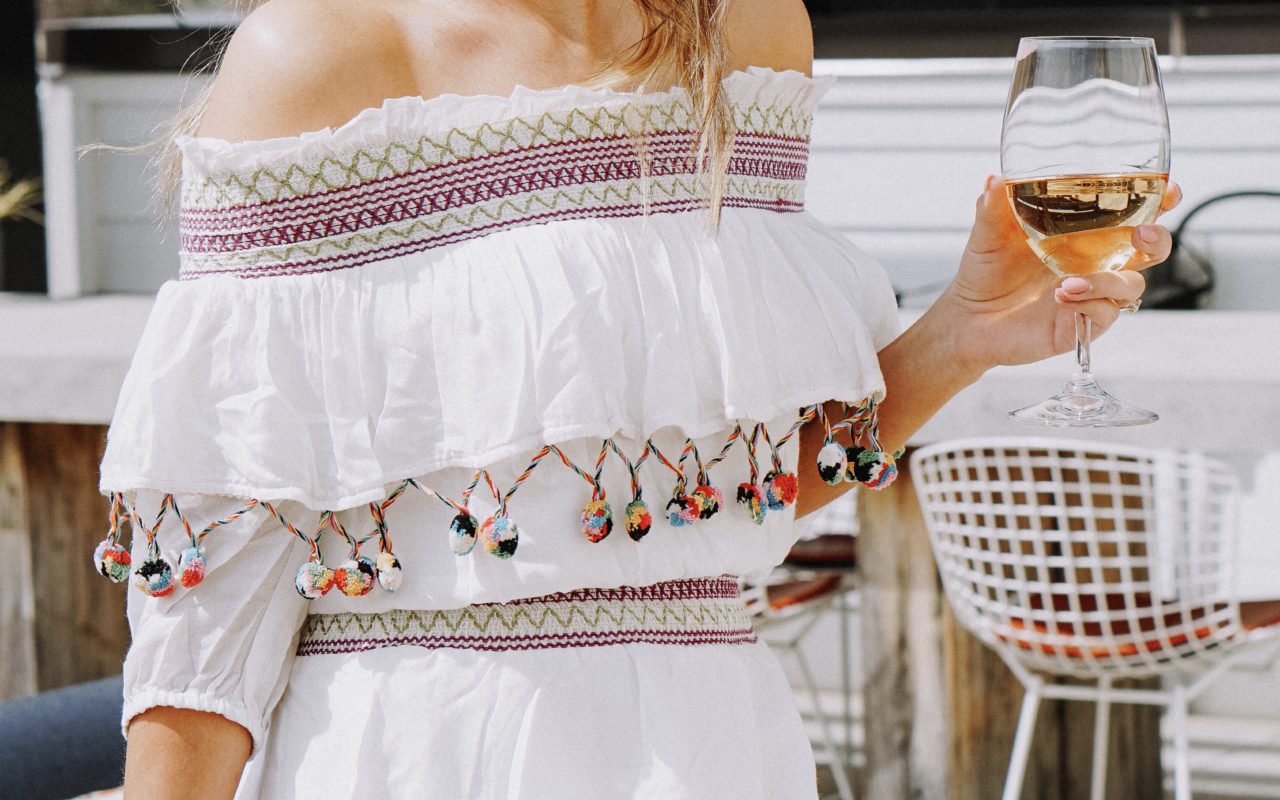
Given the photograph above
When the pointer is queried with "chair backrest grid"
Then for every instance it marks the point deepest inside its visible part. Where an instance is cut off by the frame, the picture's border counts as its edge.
(1060, 480)
(1027, 572)
(1136, 571)
(1049, 549)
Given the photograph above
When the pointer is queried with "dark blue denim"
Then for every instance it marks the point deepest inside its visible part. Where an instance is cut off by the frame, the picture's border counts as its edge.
(62, 743)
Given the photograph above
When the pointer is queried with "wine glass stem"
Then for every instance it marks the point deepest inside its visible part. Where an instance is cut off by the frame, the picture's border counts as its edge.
(1084, 334)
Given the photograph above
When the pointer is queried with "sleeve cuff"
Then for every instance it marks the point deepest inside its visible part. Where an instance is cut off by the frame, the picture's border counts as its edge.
(195, 700)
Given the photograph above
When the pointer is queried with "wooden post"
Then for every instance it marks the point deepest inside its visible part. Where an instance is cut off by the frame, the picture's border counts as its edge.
(17, 616)
(904, 694)
(984, 702)
(941, 707)
(81, 632)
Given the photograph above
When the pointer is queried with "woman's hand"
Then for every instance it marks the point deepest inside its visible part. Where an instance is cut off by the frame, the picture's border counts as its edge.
(1009, 308)
(1004, 306)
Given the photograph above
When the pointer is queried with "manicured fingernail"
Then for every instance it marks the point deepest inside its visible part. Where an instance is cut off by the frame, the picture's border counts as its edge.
(1075, 285)
(1147, 233)
(991, 181)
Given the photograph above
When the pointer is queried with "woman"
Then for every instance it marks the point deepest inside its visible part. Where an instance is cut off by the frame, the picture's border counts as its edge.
(462, 289)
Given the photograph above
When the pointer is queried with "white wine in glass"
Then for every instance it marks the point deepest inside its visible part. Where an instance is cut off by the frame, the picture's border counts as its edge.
(1080, 224)
(1084, 151)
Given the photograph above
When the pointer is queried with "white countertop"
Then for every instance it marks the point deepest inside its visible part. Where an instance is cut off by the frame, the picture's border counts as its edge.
(1212, 376)
(65, 360)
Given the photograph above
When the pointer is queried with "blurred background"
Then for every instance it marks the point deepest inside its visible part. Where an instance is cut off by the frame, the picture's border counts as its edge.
(901, 145)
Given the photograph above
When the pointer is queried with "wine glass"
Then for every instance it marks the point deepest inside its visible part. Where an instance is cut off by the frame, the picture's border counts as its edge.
(1084, 151)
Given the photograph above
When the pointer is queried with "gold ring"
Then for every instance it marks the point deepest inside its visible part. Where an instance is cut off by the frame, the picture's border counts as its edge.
(1132, 307)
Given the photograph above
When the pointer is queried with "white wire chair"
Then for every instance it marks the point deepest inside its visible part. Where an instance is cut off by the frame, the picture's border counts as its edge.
(1092, 560)
(784, 606)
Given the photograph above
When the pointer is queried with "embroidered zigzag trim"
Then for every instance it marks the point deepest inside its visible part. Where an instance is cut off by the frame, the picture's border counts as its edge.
(683, 612)
(374, 204)
(498, 533)
(335, 171)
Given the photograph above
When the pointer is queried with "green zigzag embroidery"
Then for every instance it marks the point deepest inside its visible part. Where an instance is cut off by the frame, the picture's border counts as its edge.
(457, 144)
(531, 617)
(617, 193)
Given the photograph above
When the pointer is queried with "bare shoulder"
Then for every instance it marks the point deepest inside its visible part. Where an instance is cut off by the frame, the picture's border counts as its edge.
(769, 33)
(300, 65)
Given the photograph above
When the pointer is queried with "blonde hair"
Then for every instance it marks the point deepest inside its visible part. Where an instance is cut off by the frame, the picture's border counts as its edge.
(683, 45)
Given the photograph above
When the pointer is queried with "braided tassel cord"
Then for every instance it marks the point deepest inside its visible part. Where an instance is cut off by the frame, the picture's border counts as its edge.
(863, 461)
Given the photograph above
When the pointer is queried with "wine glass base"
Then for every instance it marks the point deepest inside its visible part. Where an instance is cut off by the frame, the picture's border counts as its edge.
(1084, 409)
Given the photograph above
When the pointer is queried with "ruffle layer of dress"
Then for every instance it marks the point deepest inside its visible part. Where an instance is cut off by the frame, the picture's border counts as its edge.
(324, 388)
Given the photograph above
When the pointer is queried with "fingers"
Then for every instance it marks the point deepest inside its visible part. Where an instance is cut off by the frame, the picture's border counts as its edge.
(1172, 196)
(994, 225)
(1101, 312)
(1113, 288)
(1151, 243)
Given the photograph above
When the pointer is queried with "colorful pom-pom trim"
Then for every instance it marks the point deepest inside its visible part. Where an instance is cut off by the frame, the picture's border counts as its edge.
(313, 580)
(499, 534)
(191, 567)
(155, 577)
(682, 510)
(354, 577)
(750, 495)
(874, 469)
(462, 533)
(112, 560)
(638, 519)
(707, 499)
(780, 489)
(832, 461)
(390, 575)
(597, 520)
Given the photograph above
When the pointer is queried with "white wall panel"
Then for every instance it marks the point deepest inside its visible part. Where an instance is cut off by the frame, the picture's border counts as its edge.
(900, 150)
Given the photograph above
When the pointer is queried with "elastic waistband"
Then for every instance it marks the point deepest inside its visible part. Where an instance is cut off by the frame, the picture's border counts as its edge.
(691, 611)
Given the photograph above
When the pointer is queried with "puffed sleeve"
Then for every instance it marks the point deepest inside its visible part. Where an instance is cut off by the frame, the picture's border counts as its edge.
(226, 644)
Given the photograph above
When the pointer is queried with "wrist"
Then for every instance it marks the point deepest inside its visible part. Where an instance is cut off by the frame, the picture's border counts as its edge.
(949, 332)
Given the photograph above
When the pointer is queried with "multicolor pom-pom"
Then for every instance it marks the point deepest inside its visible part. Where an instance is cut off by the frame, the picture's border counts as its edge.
(638, 519)
(883, 474)
(191, 566)
(354, 577)
(780, 489)
(462, 532)
(597, 520)
(390, 575)
(313, 580)
(750, 495)
(112, 560)
(682, 510)
(500, 536)
(874, 469)
(832, 461)
(708, 499)
(155, 577)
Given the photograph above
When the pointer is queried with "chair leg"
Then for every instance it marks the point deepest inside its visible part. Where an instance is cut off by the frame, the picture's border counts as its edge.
(1022, 740)
(1101, 731)
(1181, 765)
(838, 771)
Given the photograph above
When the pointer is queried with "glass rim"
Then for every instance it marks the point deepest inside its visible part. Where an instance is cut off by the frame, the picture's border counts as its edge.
(1135, 39)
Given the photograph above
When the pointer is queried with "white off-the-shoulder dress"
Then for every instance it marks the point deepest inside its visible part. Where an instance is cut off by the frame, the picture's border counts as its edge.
(441, 453)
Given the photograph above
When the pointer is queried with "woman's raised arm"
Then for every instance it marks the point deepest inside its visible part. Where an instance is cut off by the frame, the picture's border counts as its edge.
(1003, 307)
